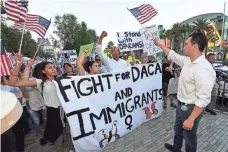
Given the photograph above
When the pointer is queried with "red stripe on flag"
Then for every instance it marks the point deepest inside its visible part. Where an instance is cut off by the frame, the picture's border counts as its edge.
(5, 65)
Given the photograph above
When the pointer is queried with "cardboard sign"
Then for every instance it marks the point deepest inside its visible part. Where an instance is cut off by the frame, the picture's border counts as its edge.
(147, 34)
(129, 41)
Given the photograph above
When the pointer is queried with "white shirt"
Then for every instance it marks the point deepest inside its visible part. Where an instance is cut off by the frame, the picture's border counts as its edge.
(196, 81)
(36, 101)
(111, 64)
(103, 69)
(50, 95)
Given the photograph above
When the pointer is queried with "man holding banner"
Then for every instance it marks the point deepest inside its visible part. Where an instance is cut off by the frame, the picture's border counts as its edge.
(194, 90)
(115, 62)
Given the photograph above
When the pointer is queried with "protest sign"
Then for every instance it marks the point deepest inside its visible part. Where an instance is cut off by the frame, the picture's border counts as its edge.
(90, 46)
(50, 59)
(129, 41)
(147, 34)
(71, 55)
(102, 108)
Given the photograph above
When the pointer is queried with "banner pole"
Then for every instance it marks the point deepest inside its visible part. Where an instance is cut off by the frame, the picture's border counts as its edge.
(22, 35)
(37, 48)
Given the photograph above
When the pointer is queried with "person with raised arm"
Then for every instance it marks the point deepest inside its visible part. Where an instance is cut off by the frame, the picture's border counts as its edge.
(47, 73)
(196, 82)
(88, 67)
(115, 63)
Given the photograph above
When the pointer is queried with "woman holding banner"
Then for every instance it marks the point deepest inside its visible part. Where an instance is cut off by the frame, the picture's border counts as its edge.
(89, 67)
(47, 72)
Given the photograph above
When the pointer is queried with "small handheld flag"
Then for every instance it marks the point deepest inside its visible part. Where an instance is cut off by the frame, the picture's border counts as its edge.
(143, 13)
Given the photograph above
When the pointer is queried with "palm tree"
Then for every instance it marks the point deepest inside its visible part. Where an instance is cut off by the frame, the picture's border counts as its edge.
(200, 24)
(186, 29)
(176, 34)
(163, 34)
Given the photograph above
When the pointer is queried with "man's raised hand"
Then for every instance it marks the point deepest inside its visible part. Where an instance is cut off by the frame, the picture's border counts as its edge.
(104, 34)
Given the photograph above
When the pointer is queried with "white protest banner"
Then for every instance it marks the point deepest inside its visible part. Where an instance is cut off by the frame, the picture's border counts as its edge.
(147, 34)
(102, 108)
(129, 41)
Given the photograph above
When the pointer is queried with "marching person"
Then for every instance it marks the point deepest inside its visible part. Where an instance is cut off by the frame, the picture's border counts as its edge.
(103, 68)
(167, 74)
(35, 106)
(144, 59)
(54, 125)
(194, 90)
(88, 67)
(115, 63)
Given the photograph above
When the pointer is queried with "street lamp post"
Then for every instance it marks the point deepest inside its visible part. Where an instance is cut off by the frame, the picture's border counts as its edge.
(223, 24)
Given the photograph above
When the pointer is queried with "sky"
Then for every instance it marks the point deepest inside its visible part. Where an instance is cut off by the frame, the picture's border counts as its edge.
(112, 15)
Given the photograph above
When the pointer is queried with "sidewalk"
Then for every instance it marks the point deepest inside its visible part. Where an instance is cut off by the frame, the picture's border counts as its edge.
(151, 136)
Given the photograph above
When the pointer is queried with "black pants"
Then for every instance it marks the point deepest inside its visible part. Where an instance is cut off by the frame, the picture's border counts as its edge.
(54, 126)
(190, 137)
(8, 142)
(18, 130)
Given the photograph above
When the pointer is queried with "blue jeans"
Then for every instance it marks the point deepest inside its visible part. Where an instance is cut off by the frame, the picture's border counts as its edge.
(190, 137)
(35, 116)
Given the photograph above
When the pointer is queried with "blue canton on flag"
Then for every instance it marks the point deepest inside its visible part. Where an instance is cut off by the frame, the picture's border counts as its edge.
(44, 22)
(136, 12)
(23, 3)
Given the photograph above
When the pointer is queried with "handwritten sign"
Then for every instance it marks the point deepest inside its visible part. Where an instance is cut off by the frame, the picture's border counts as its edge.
(102, 108)
(147, 34)
(129, 41)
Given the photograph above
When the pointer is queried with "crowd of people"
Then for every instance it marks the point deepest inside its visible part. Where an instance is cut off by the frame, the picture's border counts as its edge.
(35, 89)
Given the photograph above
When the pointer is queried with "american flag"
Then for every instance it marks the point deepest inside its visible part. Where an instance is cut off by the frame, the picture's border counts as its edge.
(34, 23)
(16, 10)
(5, 62)
(143, 13)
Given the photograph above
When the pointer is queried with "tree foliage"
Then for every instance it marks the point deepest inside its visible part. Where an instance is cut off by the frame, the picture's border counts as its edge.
(177, 34)
(200, 24)
(71, 33)
(12, 38)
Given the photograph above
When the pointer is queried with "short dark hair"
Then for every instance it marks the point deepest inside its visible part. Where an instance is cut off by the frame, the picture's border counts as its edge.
(200, 39)
(210, 54)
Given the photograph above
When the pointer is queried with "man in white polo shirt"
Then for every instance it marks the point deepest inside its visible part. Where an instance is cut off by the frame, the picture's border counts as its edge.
(115, 63)
(196, 82)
